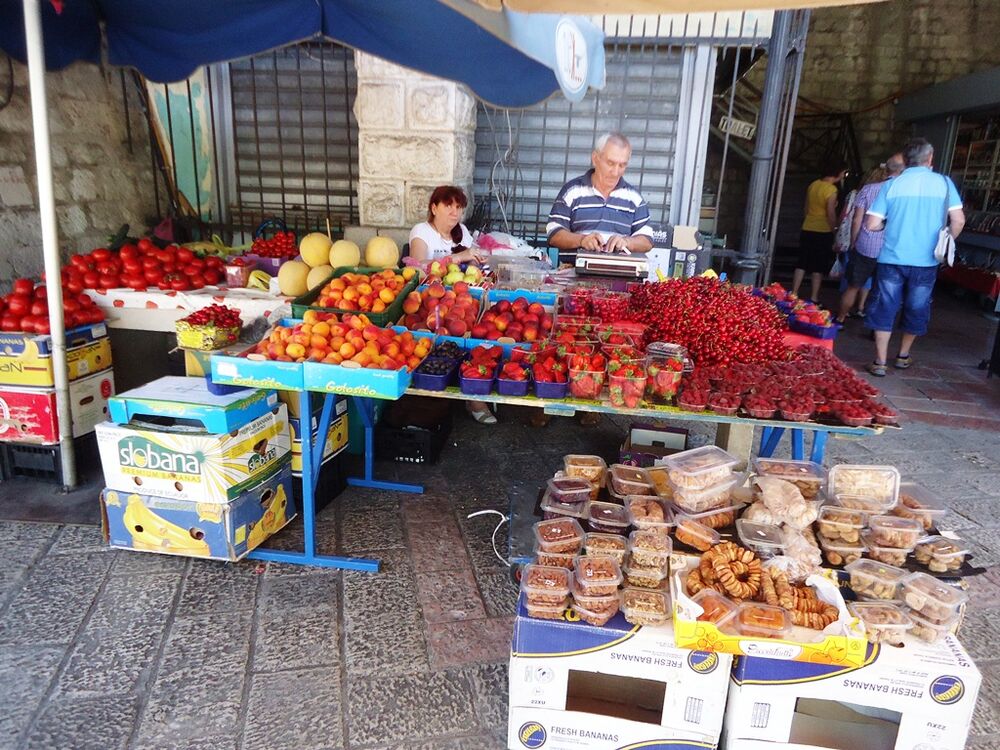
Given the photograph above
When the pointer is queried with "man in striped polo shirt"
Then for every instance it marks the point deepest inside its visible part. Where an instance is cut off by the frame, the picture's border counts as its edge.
(599, 211)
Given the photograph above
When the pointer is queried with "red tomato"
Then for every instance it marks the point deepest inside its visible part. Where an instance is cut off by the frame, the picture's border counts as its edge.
(40, 293)
(70, 304)
(169, 267)
(180, 284)
(39, 308)
(165, 256)
(196, 280)
(190, 270)
(91, 280)
(214, 261)
(146, 245)
(212, 277)
(42, 325)
(128, 252)
(110, 281)
(24, 286)
(74, 286)
(10, 323)
(81, 262)
(28, 323)
(132, 265)
(100, 254)
(85, 300)
(184, 255)
(138, 283)
(19, 304)
(153, 275)
(70, 320)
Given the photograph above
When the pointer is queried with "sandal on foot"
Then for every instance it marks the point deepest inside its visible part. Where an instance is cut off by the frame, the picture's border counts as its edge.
(902, 362)
(857, 314)
(877, 369)
(483, 417)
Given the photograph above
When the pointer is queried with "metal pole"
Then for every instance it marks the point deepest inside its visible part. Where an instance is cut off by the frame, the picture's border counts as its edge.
(50, 232)
(754, 219)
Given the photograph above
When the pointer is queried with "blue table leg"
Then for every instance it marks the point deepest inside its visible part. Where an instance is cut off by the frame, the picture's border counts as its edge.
(311, 462)
(798, 444)
(773, 438)
(819, 445)
(765, 434)
(366, 408)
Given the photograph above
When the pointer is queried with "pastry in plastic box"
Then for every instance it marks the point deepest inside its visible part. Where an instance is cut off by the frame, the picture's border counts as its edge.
(934, 600)
(646, 512)
(719, 518)
(597, 576)
(559, 535)
(863, 503)
(764, 540)
(660, 477)
(760, 621)
(649, 548)
(839, 552)
(554, 559)
(701, 500)
(929, 631)
(696, 535)
(939, 554)
(715, 606)
(786, 503)
(596, 610)
(893, 531)
(547, 611)
(591, 468)
(888, 555)
(630, 480)
(607, 518)
(699, 468)
(553, 509)
(569, 490)
(543, 584)
(808, 476)
(606, 545)
(881, 483)
(647, 576)
(842, 524)
(875, 580)
(884, 622)
(595, 617)
(643, 607)
(917, 502)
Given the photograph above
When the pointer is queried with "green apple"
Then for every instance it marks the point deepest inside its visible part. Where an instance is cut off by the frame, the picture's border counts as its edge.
(437, 268)
(454, 268)
(453, 277)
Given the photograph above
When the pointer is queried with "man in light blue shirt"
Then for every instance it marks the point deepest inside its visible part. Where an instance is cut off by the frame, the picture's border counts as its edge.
(912, 209)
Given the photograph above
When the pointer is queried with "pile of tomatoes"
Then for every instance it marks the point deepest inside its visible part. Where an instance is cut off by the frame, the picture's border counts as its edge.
(142, 266)
(281, 245)
(26, 309)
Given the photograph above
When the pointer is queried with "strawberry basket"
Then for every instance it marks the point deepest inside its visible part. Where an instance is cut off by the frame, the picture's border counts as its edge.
(212, 327)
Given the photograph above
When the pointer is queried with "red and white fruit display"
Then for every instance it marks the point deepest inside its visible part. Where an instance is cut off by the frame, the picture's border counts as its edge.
(519, 320)
(446, 311)
(26, 309)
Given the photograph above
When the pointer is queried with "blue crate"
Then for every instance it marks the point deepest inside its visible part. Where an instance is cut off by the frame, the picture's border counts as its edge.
(512, 387)
(810, 329)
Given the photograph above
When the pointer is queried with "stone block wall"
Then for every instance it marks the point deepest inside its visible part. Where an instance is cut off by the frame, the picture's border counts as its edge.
(99, 184)
(415, 132)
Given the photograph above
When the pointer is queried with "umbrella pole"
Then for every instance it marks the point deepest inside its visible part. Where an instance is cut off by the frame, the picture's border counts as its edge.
(50, 232)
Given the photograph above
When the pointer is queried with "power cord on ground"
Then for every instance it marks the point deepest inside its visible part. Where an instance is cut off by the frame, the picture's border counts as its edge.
(503, 519)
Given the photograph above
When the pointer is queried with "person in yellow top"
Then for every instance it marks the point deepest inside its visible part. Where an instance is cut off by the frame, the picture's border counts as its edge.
(818, 230)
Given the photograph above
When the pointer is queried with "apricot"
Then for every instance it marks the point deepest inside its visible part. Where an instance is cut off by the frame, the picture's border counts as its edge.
(295, 350)
(387, 296)
(347, 350)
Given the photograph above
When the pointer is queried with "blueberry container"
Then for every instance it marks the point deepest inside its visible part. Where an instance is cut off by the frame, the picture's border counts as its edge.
(430, 382)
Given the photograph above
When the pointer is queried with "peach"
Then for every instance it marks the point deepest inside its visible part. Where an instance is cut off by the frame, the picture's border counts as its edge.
(320, 329)
(351, 293)
(347, 351)
(379, 306)
(364, 302)
(435, 290)
(387, 296)
(412, 302)
(295, 350)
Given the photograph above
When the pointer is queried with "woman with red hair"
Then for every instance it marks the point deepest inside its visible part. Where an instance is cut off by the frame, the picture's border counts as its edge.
(443, 236)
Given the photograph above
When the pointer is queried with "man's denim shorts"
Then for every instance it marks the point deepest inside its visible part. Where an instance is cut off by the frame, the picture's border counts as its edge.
(906, 287)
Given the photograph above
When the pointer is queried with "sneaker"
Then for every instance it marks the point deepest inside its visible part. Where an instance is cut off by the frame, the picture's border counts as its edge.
(877, 369)
(902, 362)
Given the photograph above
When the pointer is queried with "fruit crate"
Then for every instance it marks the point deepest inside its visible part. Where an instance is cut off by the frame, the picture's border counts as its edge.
(43, 462)
(811, 329)
(391, 315)
(205, 338)
(412, 444)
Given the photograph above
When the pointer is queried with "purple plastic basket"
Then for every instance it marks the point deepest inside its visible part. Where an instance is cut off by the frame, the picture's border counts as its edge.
(512, 387)
(810, 329)
(430, 382)
(553, 391)
(268, 265)
(476, 386)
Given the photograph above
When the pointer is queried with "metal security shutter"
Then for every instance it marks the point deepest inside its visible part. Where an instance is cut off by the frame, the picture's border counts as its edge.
(295, 137)
(552, 142)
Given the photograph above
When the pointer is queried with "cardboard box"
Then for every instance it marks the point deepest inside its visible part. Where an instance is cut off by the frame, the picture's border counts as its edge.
(188, 400)
(192, 529)
(336, 435)
(574, 686)
(29, 415)
(917, 696)
(26, 359)
(647, 444)
(191, 464)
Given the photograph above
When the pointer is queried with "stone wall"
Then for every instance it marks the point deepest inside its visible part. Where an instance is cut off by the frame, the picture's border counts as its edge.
(415, 132)
(99, 184)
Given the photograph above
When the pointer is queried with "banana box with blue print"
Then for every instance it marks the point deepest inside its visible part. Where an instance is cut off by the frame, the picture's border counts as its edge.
(336, 434)
(131, 520)
(26, 358)
(917, 696)
(575, 686)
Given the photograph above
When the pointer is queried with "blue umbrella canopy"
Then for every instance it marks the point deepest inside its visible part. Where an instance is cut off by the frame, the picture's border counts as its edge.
(501, 57)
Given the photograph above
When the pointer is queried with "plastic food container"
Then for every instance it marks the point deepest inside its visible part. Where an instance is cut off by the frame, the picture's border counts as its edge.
(916, 501)
(545, 584)
(698, 501)
(434, 381)
(554, 509)
(476, 386)
(546, 611)
(596, 618)
(569, 490)
(716, 607)
(607, 518)
(893, 531)
(863, 503)
(700, 468)
(647, 576)
(838, 552)
(840, 524)
(764, 539)
(690, 402)
(719, 518)
(627, 392)
(559, 535)
(606, 545)
(630, 480)
(649, 548)
(586, 384)
(646, 512)
(591, 468)
(761, 621)
(888, 555)
(884, 622)
(641, 607)
(597, 576)
(512, 387)
(696, 535)
(939, 554)
(554, 559)
(878, 482)
(929, 631)
(935, 600)
(808, 476)
(660, 478)
(874, 579)
(551, 391)
(796, 415)
(594, 603)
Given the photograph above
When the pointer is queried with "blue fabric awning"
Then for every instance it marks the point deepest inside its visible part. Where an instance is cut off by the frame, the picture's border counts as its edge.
(166, 40)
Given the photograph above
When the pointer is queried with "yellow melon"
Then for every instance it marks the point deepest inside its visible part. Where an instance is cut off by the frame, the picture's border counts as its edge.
(292, 278)
(344, 253)
(318, 275)
(315, 249)
(381, 252)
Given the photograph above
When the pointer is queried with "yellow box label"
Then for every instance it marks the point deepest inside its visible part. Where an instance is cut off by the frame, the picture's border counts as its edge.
(31, 369)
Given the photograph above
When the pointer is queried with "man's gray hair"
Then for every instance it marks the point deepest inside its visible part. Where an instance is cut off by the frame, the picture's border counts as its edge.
(895, 164)
(613, 137)
(917, 152)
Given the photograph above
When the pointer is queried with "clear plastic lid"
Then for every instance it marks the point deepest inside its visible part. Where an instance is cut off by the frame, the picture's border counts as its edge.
(873, 543)
(716, 607)
(546, 611)
(840, 518)
(605, 545)
(866, 573)
(595, 573)
(942, 548)
(700, 467)
(916, 501)
(545, 582)
(591, 468)
(554, 559)
(609, 515)
(840, 546)
(791, 471)
(929, 595)
(700, 500)
(630, 480)
(573, 510)
(695, 534)
(882, 620)
(652, 545)
(559, 535)
(878, 482)
(646, 603)
(761, 621)
(569, 489)
(647, 512)
(660, 478)
(591, 602)
(650, 575)
(862, 503)
(709, 517)
(893, 531)
(761, 538)
(929, 630)
(594, 617)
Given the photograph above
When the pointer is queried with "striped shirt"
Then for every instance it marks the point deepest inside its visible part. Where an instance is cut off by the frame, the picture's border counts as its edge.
(868, 243)
(581, 208)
